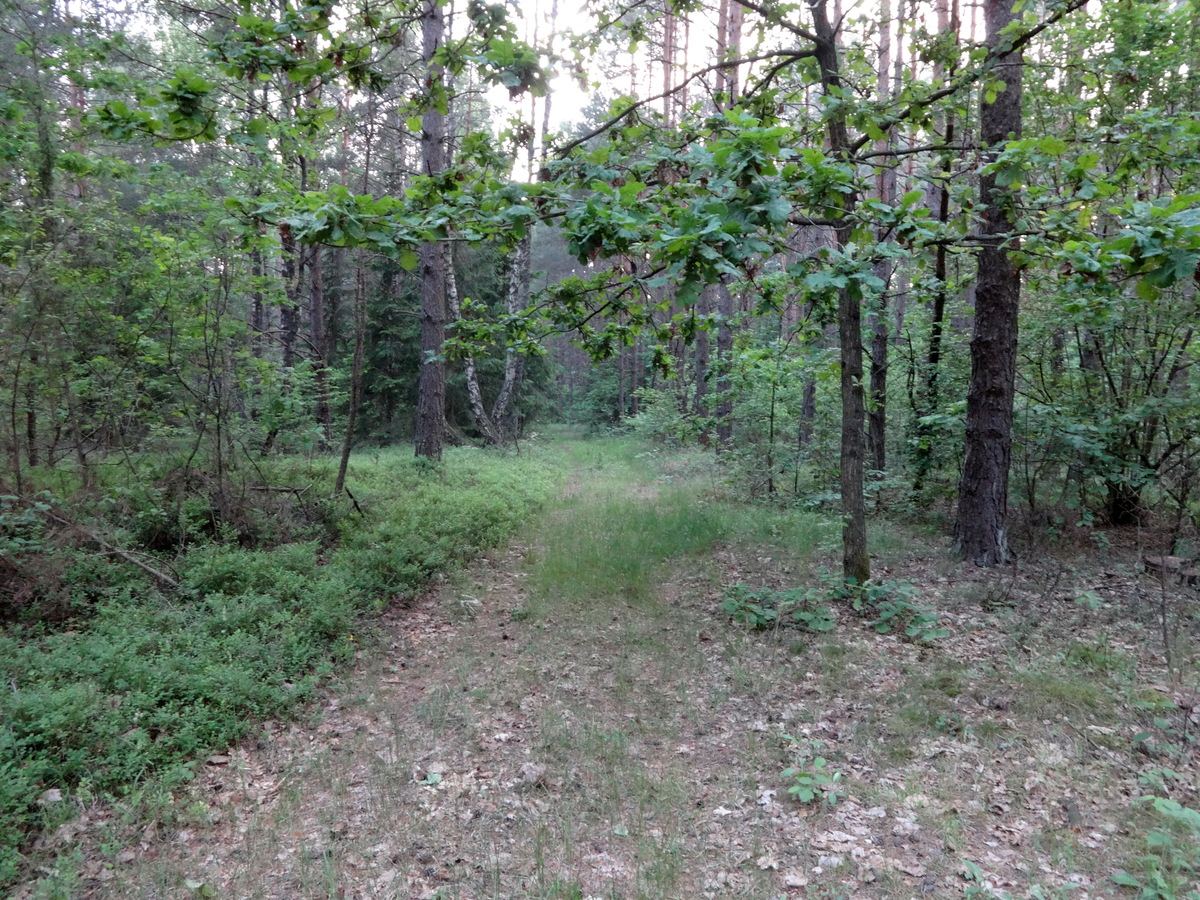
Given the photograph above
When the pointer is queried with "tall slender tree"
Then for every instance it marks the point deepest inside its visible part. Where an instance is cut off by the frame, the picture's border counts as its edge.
(431, 387)
(980, 533)
(885, 189)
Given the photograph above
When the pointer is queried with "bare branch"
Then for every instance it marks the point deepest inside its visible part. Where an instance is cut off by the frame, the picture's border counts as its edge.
(908, 151)
(715, 67)
(774, 17)
(969, 78)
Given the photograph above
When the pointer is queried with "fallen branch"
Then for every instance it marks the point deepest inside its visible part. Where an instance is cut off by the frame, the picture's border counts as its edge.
(162, 577)
(299, 492)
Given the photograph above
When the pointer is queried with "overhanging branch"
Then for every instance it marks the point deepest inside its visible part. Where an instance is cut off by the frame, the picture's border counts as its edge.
(792, 55)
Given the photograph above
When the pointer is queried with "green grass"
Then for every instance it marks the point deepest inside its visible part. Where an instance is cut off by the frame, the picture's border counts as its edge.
(590, 559)
(616, 545)
(139, 684)
(1062, 692)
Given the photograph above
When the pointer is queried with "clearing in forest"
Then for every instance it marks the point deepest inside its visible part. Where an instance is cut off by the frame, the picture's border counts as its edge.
(578, 717)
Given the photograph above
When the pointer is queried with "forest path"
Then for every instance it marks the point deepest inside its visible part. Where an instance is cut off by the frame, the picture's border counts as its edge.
(572, 717)
(518, 736)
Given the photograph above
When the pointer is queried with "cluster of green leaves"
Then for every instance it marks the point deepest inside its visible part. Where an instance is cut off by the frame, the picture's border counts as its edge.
(143, 683)
(1169, 868)
(711, 201)
(22, 527)
(891, 607)
(763, 608)
(1107, 208)
(813, 780)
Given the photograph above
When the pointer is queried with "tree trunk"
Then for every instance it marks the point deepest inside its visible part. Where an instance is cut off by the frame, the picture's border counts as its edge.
(356, 369)
(474, 394)
(431, 385)
(983, 488)
(885, 186)
(808, 414)
(289, 313)
(258, 306)
(316, 328)
(31, 413)
(723, 411)
(856, 562)
(1123, 505)
(948, 20)
(504, 410)
(700, 402)
(729, 38)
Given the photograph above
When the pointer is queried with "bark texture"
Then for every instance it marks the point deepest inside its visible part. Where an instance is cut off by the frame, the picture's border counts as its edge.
(700, 408)
(856, 562)
(885, 187)
(504, 411)
(980, 534)
(431, 385)
(723, 411)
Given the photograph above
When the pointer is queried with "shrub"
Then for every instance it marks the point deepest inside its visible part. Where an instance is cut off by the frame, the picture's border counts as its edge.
(149, 680)
(766, 608)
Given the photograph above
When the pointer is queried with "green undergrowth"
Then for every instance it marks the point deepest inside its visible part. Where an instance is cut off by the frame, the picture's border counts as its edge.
(646, 510)
(617, 545)
(140, 682)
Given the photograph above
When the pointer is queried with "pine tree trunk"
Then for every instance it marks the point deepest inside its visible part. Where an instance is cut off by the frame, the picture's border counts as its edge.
(431, 385)
(983, 488)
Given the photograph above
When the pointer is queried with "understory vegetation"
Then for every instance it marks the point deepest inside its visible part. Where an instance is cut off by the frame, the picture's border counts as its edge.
(624, 704)
(115, 677)
(880, 556)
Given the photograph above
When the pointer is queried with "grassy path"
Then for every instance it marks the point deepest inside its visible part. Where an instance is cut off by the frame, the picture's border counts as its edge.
(572, 718)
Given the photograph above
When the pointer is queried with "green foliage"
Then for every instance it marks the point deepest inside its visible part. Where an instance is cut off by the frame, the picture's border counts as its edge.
(892, 606)
(889, 607)
(765, 608)
(813, 780)
(1168, 869)
(424, 524)
(144, 683)
(22, 528)
(979, 888)
(660, 417)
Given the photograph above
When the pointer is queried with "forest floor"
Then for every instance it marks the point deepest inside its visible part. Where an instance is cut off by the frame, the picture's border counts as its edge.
(574, 717)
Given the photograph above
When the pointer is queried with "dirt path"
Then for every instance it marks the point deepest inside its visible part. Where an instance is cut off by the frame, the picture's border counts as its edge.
(508, 742)
(577, 751)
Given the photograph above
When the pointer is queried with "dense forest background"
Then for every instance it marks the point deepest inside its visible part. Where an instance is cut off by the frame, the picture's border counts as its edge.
(214, 223)
(935, 258)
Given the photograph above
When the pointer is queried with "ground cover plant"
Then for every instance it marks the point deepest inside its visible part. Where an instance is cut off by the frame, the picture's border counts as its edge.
(139, 683)
(882, 273)
(581, 715)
